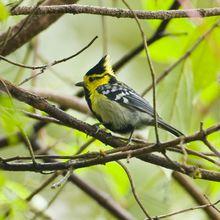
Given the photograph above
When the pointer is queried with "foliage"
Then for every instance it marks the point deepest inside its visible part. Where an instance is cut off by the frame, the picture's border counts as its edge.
(3, 12)
(188, 95)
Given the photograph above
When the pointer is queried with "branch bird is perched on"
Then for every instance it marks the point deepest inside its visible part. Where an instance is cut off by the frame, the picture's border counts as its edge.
(117, 106)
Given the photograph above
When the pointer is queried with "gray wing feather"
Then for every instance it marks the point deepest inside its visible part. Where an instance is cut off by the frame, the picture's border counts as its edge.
(124, 95)
(137, 102)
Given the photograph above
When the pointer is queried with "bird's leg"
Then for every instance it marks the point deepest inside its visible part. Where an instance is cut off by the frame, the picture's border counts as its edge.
(129, 140)
(127, 146)
(96, 126)
(130, 137)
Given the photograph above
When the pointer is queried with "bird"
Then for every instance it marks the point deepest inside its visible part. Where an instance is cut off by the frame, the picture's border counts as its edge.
(117, 106)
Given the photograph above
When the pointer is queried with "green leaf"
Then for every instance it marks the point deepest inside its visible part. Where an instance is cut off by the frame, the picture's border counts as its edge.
(3, 12)
(117, 175)
(205, 59)
(170, 48)
(205, 66)
(210, 93)
(18, 189)
(11, 118)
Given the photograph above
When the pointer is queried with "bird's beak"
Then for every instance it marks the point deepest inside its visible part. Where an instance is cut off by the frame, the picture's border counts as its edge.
(80, 84)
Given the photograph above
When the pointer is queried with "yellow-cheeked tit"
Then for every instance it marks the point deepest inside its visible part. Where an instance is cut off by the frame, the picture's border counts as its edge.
(117, 106)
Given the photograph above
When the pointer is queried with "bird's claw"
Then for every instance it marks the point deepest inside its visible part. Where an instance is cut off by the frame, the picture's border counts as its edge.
(96, 126)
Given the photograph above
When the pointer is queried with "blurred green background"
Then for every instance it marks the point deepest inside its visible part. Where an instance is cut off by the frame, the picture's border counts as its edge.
(188, 95)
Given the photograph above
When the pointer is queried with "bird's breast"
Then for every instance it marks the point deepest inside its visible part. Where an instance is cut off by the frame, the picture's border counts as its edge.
(115, 116)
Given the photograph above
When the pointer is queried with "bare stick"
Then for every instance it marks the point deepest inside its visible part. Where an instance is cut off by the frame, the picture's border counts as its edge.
(104, 32)
(118, 12)
(85, 145)
(213, 205)
(113, 141)
(32, 28)
(133, 189)
(183, 57)
(42, 186)
(195, 193)
(151, 69)
(28, 143)
(44, 67)
(212, 148)
(22, 132)
(25, 21)
(184, 210)
(38, 214)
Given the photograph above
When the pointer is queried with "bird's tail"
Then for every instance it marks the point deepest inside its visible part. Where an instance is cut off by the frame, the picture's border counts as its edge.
(172, 130)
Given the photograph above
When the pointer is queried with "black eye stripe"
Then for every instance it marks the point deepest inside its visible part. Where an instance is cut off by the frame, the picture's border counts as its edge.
(91, 79)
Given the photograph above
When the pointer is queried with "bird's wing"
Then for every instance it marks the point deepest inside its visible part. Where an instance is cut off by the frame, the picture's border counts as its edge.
(124, 95)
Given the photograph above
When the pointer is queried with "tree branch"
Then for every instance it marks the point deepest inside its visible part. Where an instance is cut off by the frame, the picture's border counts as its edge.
(183, 57)
(101, 198)
(188, 185)
(134, 52)
(117, 12)
(185, 210)
(156, 36)
(142, 151)
(34, 26)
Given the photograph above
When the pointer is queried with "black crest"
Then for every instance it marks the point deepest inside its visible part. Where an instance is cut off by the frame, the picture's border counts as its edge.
(101, 67)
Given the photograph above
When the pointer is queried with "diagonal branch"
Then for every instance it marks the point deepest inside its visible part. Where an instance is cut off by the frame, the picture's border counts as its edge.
(143, 154)
(149, 61)
(36, 24)
(156, 36)
(99, 196)
(188, 185)
(183, 57)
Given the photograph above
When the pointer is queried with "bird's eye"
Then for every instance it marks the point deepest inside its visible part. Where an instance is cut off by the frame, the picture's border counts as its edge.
(91, 79)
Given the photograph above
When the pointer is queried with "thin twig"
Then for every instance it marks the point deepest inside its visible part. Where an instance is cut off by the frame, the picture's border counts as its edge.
(182, 58)
(206, 142)
(195, 153)
(42, 186)
(43, 105)
(20, 72)
(28, 143)
(64, 179)
(133, 189)
(185, 154)
(212, 148)
(118, 12)
(85, 145)
(22, 132)
(184, 210)
(104, 32)
(44, 67)
(187, 184)
(151, 69)
(25, 21)
(213, 206)
(38, 214)
(42, 118)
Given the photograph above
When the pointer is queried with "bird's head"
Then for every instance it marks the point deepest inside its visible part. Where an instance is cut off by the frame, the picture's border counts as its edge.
(100, 74)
